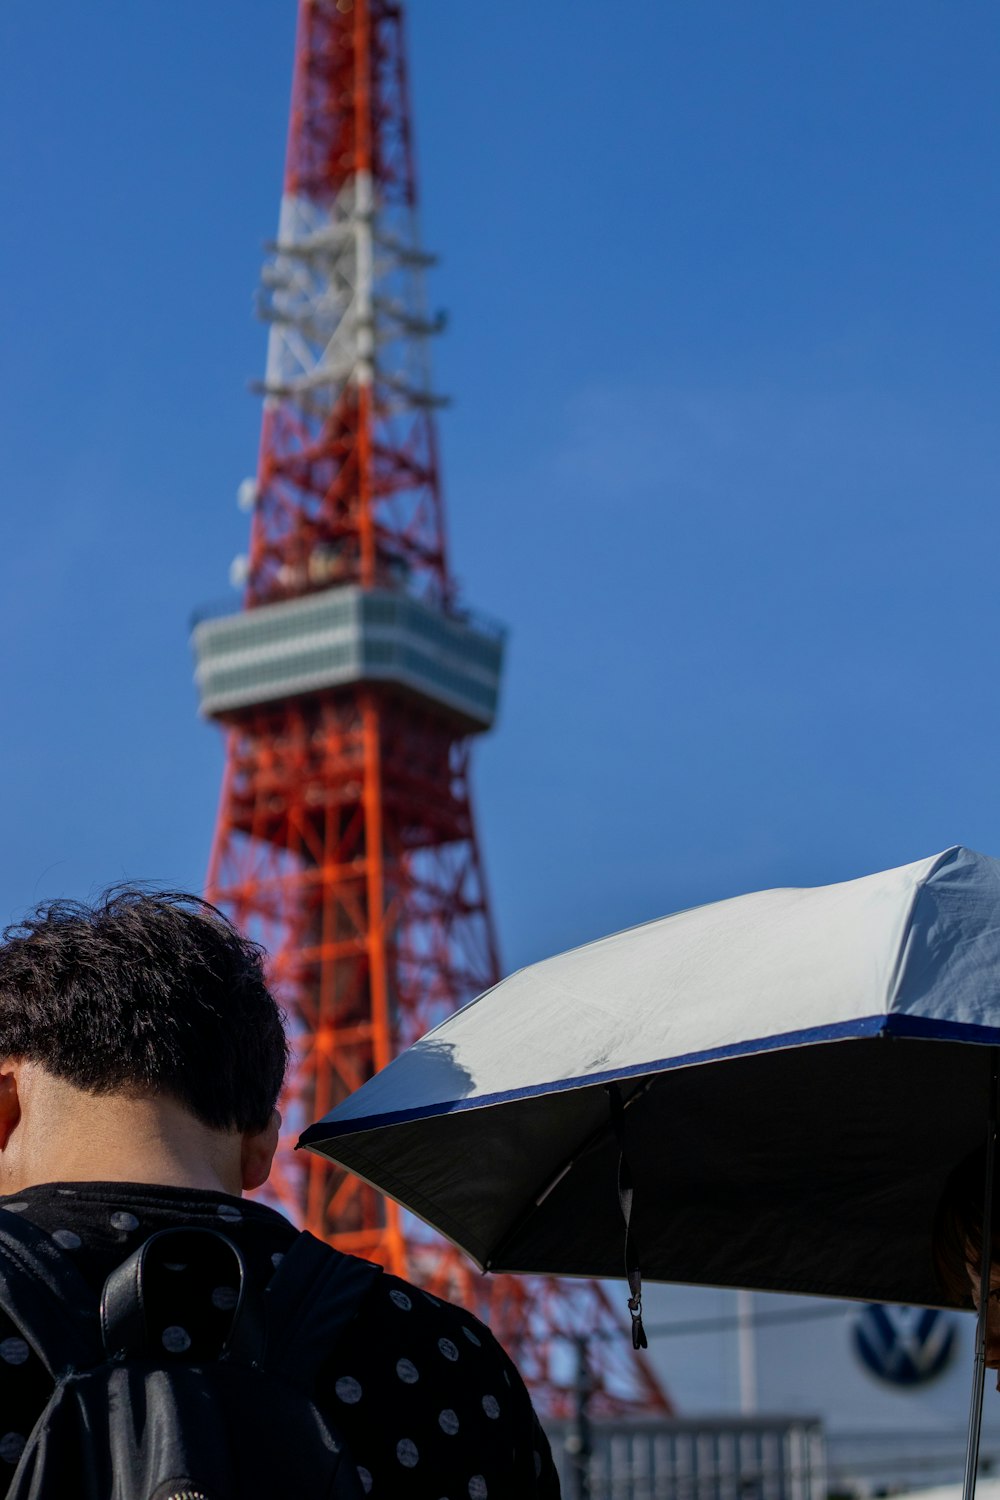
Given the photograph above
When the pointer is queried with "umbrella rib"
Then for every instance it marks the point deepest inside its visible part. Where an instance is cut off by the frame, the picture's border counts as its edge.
(536, 1200)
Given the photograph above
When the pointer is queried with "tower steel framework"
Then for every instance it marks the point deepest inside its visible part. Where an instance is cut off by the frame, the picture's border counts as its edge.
(351, 683)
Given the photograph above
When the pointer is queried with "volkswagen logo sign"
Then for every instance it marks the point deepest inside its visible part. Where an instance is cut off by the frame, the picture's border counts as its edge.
(904, 1345)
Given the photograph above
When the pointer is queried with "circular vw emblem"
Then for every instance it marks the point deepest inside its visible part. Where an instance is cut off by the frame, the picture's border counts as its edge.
(904, 1345)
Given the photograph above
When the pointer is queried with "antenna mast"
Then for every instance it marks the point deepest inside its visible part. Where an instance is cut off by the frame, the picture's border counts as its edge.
(351, 684)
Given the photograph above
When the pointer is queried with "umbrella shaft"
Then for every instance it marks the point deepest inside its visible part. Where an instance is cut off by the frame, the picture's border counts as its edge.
(975, 1421)
(986, 1254)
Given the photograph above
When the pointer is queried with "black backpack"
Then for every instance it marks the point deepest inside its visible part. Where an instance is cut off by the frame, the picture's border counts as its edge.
(126, 1423)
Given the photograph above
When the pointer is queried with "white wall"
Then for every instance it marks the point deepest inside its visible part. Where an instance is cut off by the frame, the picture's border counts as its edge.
(887, 1436)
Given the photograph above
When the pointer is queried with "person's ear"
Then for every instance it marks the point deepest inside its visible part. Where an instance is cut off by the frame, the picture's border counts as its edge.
(257, 1153)
(10, 1102)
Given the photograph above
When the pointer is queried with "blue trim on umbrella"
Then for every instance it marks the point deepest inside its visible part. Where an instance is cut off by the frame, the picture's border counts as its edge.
(865, 1026)
(898, 1025)
(936, 1029)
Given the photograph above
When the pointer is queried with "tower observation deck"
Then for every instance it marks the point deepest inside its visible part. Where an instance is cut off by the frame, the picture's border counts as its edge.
(350, 684)
(349, 635)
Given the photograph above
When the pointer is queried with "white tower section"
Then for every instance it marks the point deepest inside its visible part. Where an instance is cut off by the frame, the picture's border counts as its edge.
(345, 299)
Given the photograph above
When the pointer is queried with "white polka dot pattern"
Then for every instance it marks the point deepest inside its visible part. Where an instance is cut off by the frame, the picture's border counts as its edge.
(348, 1390)
(418, 1420)
(15, 1208)
(11, 1447)
(406, 1452)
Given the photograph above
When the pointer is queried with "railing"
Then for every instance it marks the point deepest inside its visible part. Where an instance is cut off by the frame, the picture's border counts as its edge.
(741, 1458)
(218, 609)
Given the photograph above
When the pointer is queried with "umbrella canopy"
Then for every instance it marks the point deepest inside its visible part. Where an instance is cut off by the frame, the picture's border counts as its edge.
(800, 1071)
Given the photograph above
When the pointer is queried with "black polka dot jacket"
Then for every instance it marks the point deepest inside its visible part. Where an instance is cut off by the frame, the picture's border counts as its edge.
(428, 1402)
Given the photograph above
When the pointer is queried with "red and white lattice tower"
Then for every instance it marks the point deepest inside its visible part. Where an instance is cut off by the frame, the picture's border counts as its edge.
(351, 682)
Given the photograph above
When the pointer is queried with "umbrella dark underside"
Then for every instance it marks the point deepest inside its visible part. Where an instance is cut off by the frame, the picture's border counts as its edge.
(814, 1169)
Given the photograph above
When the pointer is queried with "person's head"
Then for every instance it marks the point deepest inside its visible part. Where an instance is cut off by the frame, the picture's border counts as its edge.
(134, 1031)
(958, 1240)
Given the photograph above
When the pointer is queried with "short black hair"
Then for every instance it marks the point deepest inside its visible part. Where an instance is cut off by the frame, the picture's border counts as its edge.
(145, 992)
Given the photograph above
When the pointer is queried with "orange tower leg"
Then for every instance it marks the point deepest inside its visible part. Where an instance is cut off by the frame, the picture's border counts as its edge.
(351, 685)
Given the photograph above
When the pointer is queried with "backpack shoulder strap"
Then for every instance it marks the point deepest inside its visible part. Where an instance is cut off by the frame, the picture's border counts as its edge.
(124, 1301)
(312, 1297)
(46, 1296)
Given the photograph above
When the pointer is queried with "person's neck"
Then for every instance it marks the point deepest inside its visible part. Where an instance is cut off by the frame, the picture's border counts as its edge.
(66, 1136)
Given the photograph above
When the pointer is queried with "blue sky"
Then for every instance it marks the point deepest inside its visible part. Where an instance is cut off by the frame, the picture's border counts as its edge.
(723, 452)
(723, 449)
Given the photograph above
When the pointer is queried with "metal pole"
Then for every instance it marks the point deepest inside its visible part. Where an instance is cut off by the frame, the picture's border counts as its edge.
(746, 1341)
(986, 1253)
(579, 1444)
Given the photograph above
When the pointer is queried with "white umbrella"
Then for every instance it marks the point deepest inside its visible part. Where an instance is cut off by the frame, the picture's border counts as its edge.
(776, 1086)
